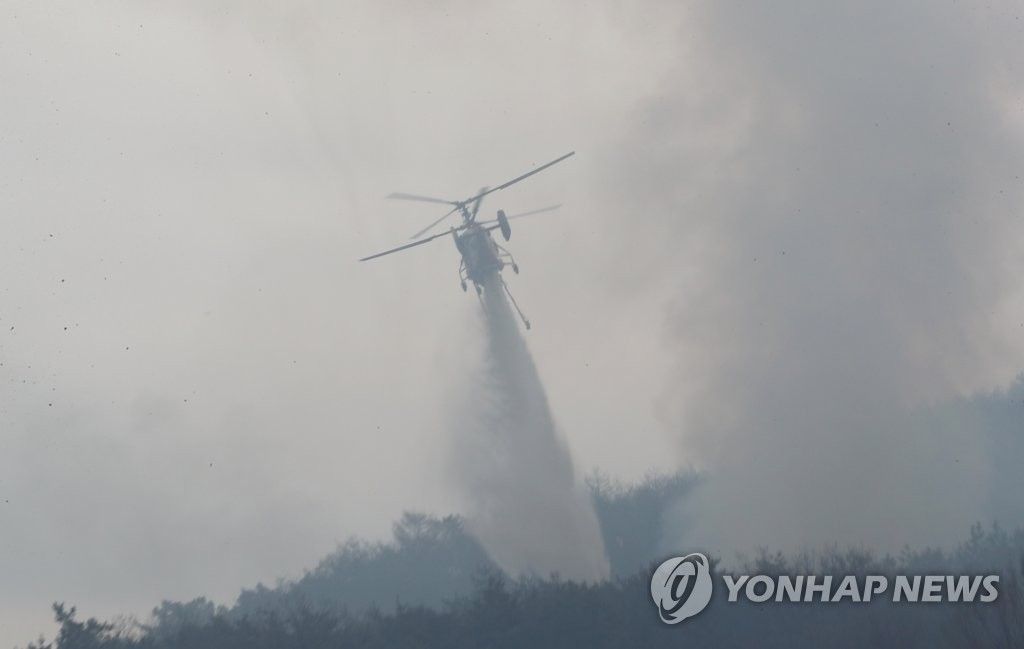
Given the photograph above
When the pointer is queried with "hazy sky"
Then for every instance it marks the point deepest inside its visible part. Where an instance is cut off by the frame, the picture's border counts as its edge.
(788, 228)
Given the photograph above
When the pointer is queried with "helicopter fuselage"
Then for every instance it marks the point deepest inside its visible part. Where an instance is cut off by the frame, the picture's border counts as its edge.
(481, 258)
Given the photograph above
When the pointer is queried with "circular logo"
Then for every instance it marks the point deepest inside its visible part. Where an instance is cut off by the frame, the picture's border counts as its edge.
(681, 587)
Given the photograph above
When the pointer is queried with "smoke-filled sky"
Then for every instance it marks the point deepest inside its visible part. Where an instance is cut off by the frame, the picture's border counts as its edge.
(792, 230)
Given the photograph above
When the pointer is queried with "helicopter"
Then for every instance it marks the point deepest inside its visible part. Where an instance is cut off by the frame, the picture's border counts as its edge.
(482, 258)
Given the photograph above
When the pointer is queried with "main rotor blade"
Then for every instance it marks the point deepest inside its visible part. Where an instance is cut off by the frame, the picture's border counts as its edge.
(411, 245)
(549, 208)
(422, 199)
(523, 177)
(460, 204)
(431, 226)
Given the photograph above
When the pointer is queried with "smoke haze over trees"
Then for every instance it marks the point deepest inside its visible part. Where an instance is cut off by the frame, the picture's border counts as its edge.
(433, 587)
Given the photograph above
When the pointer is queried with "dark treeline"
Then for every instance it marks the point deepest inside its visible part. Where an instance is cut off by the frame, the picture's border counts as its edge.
(433, 586)
(432, 560)
(533, 612)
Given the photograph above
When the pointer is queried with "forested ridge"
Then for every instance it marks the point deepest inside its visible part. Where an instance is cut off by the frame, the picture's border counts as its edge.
(432, 585)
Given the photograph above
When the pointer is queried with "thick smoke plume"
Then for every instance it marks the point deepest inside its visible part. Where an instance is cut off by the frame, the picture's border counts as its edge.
(844, 185)
(513, 466)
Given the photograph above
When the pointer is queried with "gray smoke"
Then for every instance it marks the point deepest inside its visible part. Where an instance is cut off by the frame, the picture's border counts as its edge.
(513, 466)
(844, 186)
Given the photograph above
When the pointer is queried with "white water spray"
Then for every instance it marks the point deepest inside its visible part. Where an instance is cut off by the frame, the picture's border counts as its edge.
(514, 468)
